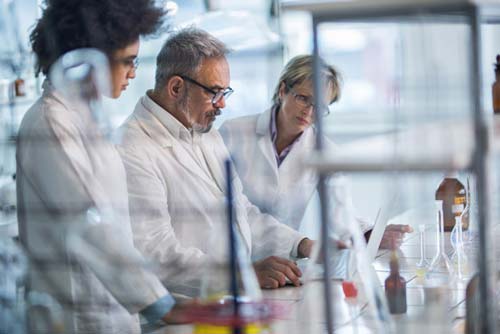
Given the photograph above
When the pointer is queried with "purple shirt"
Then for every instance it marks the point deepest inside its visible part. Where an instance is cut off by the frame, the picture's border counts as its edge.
(274, 135)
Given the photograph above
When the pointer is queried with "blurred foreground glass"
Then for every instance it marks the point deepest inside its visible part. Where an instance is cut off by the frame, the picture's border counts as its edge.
(13, 267)
(230, 292)
(215, 286)
(359, 303)
(82, 76)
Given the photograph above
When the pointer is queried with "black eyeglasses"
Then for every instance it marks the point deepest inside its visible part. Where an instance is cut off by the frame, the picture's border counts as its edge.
(304, 101)
(218, 95)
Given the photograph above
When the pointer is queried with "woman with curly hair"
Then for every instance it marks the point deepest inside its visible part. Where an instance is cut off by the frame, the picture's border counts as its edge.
(71, 185)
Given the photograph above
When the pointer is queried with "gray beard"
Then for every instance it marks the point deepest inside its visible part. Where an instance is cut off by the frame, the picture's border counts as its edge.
(200, 129)
(196, 127)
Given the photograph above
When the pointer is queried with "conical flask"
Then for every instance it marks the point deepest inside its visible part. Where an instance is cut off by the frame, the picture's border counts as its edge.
(357, 300)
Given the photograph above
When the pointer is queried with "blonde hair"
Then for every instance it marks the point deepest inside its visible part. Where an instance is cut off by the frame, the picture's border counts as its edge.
(300, 69)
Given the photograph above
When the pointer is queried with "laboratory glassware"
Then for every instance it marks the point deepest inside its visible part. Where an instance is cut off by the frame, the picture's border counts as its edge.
(82, 76)
(231, 299)
(440, 270)
(453, 194)
(355, 287)
(423, 263)
(395, 287)
(13, 266)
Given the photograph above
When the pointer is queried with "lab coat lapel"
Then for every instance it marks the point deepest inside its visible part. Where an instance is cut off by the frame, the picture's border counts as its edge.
(157, 131)
(292, 166)
(214, 164)
(187, 161)
(152, 125)
(214, 158)
(264, 141)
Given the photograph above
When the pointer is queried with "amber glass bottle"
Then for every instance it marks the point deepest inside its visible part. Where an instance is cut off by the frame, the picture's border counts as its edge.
(395, 287)
(495, 91)
(19, 87)
(452, 192)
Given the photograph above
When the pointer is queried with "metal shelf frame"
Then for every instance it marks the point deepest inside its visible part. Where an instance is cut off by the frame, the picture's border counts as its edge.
(471, 13)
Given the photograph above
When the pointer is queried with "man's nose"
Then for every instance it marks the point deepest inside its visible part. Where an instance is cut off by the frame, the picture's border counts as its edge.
(221, 103)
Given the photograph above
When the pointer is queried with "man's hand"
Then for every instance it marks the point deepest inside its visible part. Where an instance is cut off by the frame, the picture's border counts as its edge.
(273, 272)
(175, 316)
(393, 235)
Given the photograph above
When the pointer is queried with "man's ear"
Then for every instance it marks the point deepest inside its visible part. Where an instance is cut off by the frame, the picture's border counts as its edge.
(175, 86)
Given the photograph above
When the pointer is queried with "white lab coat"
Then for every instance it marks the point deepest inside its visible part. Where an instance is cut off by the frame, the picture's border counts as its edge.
(71, 182)
(283, 192)
(176, 207)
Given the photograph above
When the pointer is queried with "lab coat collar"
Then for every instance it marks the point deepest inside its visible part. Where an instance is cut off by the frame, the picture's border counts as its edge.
(302, 147)
(264, 140)
(149, 116)
(164, 129)
(172, 124)
(263, 121)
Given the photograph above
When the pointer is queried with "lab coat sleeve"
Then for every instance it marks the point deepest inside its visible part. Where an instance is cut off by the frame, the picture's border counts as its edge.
(342, 199)
(178, 267)
(54, 160)
(364, 224)
(269, 236)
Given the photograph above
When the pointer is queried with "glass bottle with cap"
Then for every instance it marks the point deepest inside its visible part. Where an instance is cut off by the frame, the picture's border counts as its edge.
(453, 194)
(395, 287)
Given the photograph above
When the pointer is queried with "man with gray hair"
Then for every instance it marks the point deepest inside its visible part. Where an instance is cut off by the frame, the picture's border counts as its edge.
(175, 169)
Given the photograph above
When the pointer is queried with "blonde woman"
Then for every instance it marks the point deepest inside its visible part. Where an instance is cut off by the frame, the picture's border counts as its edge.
(268, 148)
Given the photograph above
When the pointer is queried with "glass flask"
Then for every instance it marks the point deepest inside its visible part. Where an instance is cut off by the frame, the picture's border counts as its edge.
(357, 299)
(440, 271)
(459, 257)
(423, 263)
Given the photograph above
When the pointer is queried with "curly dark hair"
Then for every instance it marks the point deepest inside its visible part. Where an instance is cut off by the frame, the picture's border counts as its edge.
(107, 25)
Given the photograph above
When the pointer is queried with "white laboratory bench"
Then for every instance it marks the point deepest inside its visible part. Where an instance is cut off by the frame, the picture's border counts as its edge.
(417, 294)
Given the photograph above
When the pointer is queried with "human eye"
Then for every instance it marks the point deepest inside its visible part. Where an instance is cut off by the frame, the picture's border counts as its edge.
(303, 99)
(128, 62)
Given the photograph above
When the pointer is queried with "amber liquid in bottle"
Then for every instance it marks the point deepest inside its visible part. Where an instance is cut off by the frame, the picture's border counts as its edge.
(452, 192)
(495, 89)
(19, 87)
(395, 288)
